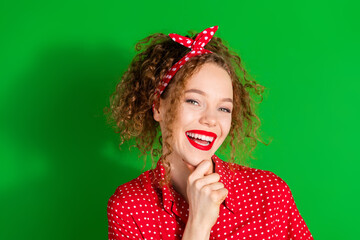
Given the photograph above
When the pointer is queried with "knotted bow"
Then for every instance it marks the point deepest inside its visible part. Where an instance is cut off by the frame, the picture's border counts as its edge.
(197, 48)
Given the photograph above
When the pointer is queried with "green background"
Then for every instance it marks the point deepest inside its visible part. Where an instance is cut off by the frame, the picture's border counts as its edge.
(61, 60)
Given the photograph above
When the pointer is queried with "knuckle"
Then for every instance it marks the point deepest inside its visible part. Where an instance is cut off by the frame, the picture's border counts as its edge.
(198, 184)
(216, 175)
(190, 178)
(189, 181)
(206, 189)
(214, 196)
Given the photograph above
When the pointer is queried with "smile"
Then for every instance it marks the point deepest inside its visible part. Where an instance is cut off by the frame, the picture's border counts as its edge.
(202, 140)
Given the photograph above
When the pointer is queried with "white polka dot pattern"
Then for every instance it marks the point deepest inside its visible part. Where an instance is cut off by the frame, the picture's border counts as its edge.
(259, 205)
(197, 47)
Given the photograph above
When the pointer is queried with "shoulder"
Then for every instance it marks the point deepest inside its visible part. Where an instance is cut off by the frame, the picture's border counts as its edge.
(135, 192)
(258, 178)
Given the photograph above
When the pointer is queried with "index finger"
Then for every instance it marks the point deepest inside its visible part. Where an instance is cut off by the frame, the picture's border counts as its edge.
(203, 168)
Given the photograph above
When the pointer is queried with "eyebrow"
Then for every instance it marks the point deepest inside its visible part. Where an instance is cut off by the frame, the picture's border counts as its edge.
(204, 94)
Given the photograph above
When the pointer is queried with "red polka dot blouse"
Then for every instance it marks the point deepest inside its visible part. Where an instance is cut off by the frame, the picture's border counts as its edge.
(259, 205)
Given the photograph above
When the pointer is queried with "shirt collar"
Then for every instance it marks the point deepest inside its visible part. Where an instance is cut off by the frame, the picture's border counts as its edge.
(174, 203)
(227, 178)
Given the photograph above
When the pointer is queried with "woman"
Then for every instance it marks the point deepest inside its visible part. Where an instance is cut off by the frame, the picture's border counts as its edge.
(195, 97)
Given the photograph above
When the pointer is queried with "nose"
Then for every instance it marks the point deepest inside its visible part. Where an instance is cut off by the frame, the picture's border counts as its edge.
(208, 118)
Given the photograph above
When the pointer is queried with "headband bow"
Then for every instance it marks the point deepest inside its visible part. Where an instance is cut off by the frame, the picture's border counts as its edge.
(197, 48)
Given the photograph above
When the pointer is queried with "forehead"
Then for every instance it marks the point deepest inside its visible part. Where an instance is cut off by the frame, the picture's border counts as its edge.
(211, 79)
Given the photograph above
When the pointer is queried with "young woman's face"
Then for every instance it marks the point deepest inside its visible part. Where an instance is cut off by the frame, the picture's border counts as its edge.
(204, 115)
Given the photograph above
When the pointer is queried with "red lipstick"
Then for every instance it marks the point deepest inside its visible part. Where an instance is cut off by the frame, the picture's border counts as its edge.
(198, 145)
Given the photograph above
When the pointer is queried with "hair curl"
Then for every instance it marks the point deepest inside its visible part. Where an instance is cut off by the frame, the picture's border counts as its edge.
(131, 103)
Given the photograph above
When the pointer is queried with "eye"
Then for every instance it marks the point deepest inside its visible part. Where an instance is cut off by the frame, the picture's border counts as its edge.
(192, 101)
(225, 110)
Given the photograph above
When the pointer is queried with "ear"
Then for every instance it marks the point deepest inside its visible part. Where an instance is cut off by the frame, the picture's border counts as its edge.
(156, 112)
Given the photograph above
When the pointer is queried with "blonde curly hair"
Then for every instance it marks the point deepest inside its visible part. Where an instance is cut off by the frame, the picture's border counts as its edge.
(131, 113)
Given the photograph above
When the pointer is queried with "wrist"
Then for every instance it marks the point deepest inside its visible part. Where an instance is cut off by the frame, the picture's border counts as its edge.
(196, 230)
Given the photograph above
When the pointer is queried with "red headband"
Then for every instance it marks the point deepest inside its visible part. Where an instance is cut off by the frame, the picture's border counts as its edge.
(197, 48)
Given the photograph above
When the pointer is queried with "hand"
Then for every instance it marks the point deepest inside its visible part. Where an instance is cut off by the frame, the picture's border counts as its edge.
(205, 194)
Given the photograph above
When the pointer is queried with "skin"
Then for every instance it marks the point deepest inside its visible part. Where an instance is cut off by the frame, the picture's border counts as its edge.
(206, 105)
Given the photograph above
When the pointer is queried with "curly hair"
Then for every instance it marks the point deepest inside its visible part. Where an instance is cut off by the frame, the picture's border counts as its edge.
(131, 103)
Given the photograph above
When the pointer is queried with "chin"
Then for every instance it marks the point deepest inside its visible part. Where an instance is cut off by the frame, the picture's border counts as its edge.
(197, 156)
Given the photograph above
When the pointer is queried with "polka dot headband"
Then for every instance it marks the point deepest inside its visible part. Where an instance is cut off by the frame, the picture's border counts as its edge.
(197, 48)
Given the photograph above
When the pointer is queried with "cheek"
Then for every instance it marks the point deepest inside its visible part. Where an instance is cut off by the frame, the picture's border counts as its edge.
(185, 117)
(226, 125)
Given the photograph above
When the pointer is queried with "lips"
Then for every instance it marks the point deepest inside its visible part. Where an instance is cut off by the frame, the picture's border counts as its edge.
(200, 139)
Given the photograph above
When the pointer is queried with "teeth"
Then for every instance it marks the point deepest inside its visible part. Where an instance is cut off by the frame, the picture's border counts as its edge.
(199, 136)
